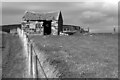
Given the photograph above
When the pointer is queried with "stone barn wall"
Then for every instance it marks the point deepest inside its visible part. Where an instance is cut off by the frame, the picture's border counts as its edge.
(38, 28)
(37, 23)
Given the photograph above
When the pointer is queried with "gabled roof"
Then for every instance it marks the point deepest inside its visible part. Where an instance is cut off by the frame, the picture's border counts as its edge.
(41, 16)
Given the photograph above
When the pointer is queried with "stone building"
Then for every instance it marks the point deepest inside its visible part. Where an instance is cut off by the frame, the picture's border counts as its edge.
(50, 23)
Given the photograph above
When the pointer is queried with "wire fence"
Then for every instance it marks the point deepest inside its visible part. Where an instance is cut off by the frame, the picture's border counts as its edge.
(33, 57)
(35, 61)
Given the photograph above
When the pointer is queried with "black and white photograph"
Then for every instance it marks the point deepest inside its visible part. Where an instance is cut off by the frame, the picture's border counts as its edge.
(58, 39)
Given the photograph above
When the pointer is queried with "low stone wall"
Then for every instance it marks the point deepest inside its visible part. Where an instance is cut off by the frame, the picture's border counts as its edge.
(38, 66)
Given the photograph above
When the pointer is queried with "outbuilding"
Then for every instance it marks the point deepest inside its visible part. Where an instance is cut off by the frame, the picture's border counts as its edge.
(50, 23)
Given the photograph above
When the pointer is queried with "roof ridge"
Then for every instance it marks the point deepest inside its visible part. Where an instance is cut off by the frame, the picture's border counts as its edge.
(41, 12)
(41, 15)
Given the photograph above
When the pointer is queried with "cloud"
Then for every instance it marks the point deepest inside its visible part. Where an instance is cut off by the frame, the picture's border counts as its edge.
(95, 14)
(89, 17)
(9, 11)
(110, 1)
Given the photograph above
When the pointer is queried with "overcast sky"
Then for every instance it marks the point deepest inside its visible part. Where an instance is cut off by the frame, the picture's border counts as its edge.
(98, 16)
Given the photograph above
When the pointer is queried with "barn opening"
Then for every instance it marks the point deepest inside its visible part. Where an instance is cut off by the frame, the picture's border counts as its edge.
(47, 27)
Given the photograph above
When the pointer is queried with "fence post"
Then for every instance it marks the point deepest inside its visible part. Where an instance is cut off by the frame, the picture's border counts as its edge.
(35, 71)
(30, 59)
(36, 68)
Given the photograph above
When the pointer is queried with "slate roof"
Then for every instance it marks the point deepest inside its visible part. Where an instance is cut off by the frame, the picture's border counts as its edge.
(41, 16)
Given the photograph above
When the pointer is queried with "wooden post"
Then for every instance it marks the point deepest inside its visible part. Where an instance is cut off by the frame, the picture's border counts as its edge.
(30, 59)
(35, 71)
(114, 29)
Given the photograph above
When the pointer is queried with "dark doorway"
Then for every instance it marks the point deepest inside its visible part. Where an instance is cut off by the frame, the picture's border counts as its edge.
(47, 27)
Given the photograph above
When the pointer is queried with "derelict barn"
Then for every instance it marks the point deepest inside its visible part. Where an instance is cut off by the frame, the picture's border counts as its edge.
(43, 23)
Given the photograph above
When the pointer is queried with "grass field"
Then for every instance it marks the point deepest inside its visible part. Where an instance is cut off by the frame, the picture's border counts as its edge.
(0, 55)
(81, 56)
(13, 61)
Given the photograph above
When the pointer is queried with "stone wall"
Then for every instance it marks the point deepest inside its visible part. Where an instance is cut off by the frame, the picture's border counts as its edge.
(54, 27)
(38, 28)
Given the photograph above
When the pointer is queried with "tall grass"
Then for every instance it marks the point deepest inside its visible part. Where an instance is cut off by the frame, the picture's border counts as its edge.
(13, 61)
(81, 56)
